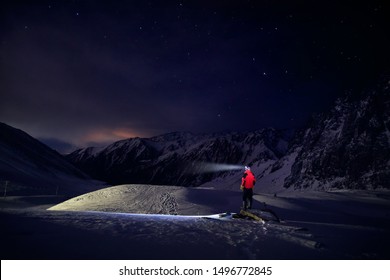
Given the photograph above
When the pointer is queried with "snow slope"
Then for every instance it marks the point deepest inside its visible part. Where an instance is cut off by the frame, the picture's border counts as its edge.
(136, 222)
(31, 167)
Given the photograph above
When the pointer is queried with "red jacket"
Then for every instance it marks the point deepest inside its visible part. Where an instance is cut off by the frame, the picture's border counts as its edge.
(248, 180)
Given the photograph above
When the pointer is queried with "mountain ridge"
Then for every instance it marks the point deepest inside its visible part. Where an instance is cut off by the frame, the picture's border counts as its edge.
(176, 153)
(31, 166)
(347, 147)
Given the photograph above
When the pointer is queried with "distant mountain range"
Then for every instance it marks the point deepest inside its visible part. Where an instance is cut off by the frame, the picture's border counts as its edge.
(178, 158)
(346, 148)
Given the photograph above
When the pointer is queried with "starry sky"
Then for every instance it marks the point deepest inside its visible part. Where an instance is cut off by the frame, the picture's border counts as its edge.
(81, 73)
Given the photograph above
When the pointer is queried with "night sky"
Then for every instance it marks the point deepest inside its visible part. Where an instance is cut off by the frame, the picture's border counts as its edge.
(91, 72)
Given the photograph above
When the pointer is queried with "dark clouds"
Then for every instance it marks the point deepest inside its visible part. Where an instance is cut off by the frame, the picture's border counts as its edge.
(95, 71)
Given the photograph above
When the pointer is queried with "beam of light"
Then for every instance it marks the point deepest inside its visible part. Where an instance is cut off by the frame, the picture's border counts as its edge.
(209, 167)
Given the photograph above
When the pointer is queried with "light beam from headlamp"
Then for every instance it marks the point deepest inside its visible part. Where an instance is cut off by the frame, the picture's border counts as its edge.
(209, 167)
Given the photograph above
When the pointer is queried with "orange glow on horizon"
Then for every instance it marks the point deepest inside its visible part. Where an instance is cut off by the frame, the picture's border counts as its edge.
(107, 136)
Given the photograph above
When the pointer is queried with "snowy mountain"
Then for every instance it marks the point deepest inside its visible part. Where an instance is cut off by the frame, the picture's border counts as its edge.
(28, 166)
(178, 158)
(348, 148)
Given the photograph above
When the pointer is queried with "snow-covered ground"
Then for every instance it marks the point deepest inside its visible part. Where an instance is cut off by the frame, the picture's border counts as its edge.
(165, 222)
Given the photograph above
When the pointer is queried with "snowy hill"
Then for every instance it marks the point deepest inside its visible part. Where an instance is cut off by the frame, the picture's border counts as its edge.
(154, 199)
(31, 167)
(178, 158)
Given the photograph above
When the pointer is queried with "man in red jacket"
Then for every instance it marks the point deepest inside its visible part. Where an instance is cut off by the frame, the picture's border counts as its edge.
(247, 183)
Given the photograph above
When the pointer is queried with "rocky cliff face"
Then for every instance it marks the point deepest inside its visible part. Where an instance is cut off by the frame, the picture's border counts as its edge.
(347, 148)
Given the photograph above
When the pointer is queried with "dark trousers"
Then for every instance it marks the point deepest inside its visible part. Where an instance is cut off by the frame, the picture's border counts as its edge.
(247, 198)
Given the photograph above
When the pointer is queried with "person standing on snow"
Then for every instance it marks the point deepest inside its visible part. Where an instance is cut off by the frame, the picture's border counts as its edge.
(247, 183)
